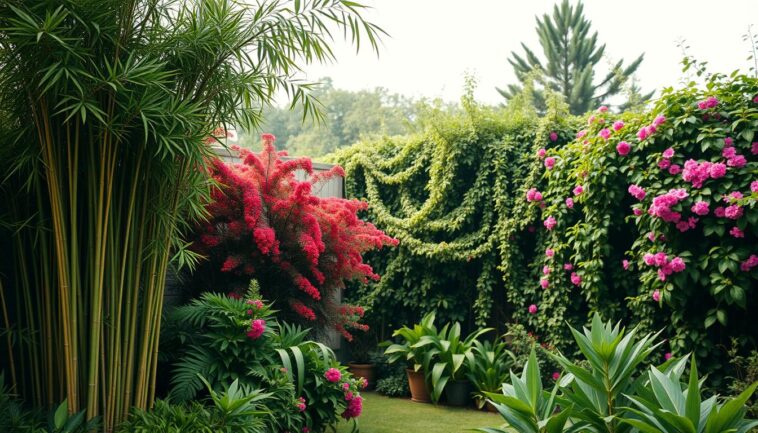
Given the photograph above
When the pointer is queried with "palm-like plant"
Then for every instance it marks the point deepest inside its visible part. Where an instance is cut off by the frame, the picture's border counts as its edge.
(418, 357)
(488, 366)
(105, 109)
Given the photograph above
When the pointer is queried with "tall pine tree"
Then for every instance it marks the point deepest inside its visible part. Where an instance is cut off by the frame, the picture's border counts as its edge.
(571, 57)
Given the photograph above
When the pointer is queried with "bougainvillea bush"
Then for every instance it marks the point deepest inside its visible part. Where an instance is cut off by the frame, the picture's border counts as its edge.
(652, 217)
(218, 339)
(266, 224)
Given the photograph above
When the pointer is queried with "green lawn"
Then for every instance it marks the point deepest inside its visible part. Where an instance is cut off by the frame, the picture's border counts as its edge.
(395, 415)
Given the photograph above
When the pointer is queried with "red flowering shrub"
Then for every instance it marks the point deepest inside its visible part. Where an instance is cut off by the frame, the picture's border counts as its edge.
(266, 224)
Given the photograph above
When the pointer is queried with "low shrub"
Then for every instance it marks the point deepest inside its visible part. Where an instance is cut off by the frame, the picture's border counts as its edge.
(395, 385)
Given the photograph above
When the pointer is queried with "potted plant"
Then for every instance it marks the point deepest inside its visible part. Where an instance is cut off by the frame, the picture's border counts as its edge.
(361, 364)
(449, 371)
(488, 368)
(417, 357)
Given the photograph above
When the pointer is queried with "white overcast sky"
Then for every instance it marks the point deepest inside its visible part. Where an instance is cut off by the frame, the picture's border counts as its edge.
(433, 43)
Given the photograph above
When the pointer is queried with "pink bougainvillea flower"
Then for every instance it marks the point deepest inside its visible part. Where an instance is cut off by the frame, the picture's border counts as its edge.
(728, 142)
(578, 190)
(544, 283)
(637, 211)
(623, 148)
(617, 125)
(268, 138)
(602, 109)
(568, 266)
(700, 208)
(570, 203)
(749, 264)
(729, 152)
(541, 153)
(736, 232)
(736, 161)
(550, 222)
(649, 259)
(533, 195)
(549, 252)
(605, 133)
(659, 120)
(675, 169)
(549, 162)
(636, 192)
(533, 309)
(664, 163)
(546, 270)
(668, 153)
(657, 295)
(553, 136)
(733, 212)
(625, 264)
(642, 133)
(576, 279)
(333, 375)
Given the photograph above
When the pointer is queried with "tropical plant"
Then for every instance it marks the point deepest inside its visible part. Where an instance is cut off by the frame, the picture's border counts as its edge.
(106, 109)
(488, 366)
(414, 355)
(605, 392)
(304, 247)
(448, 354)
(235, 409)
(571, 59)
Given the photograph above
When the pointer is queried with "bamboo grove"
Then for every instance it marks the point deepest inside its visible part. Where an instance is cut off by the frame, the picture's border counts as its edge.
(107, 109)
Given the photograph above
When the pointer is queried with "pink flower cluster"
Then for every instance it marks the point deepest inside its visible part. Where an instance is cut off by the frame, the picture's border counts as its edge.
(533, 195)
(549, 162)
(657, 295)
(733, 159)
(736, 232)
(354, 406)
(697, 173)
(750, 263)
(257, 303)
(754, 186)
(257, 327)
(605, 133)
(636, 192)
(576, 279)
(733, 211)
(541, 153)
(532, 309)
(553, 136)
(578, 190)
(688, 224)
(301, 404)
(665, 266)
(623, 148)
(710, 102)
(647, 131)
(549, 252)
(333, 375)
(550, 222)
(662, 204)
(570, 203)
(544, 283)
(700, 208)
(617, 125)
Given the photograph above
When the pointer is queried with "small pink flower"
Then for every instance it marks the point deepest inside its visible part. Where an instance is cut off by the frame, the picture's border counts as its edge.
(728, 142)
(576, 279)
(733, 212)
(541, 153)
(568, 266)
(754, 186)
(649, 259)
(736, 232)
(257, 327)
(668, 153)
(578, 190)
(625, 264)
(667, 356)
(636, 192)
(675, 169)
(532, 309)
(268, 138)
(249, 312)
(677, 264)
(602, 109)
(546, 270)
(659, 120)
(549, 252)
(755, 99)
(581, 133)
(637, 211)
(333, 375)
(754, 148)
(664, 163)
(553, 136)
(345, 386)
(737, 161)
(729, 152)
(623, 148)
(651, 237)
(544, 283)
(618, 125)
(550, 222)
(717, 170)
(549, 162)
(306, 429)
(556, 375)
(570, 203)
(700, 208)
(719, 212)
(642, 133)
(605, 133)
(657, 295)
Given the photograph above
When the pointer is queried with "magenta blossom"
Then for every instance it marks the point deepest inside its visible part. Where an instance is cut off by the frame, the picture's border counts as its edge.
(667, 356)
(532, 309)
(550, 223)
(675, 169)
(625, 264)
(733, 212)
(576, 279)
(553, 136)
(570, 203)
(636, 192)
(736, 232)
(623, 148)
(605, 133)
(668, 153)
(546, 270)
(657, 295)
(549, 252)
(549, 162)
(754, 186)
(333, 375)
(618, 125)
(642, 133)
(749, 264)
(257, 327)
(556, 375)
(700, 208)
(729, 152)
(602, 109)
(544, 283)
(664, 163)
(578, 190)
(754, 148)
(541, 153)
(581, 133)
(533, 195)
(736, 161)
(659, 120)
(568, 266)
(637, 211)
(728, 142)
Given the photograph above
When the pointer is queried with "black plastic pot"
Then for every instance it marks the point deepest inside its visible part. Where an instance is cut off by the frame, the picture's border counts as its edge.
(458, 392)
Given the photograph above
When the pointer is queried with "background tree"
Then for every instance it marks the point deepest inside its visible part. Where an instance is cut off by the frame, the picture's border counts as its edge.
(572, 55)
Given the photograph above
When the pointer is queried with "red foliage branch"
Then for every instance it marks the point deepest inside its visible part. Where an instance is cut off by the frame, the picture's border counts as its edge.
(265, 221)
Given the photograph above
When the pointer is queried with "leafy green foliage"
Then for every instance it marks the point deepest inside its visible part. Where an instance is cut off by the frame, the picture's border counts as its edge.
(488, 366)
(414, 355)
(571, 59)
(606, 392)
(395, 385)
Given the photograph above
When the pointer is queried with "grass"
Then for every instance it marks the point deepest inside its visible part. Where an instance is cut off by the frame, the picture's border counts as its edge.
(395, 415)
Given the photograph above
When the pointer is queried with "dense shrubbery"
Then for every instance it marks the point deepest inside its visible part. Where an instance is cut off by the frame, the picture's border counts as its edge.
(505, 215)
(265, 223)
(221, 339)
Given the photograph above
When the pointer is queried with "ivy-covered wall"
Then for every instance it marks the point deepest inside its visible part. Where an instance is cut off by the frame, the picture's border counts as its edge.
(646, 217)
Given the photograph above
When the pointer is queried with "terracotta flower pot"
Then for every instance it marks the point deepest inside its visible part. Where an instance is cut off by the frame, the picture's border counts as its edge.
(490, 407)
(417, 384)
(457, 392)
(366, 371)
